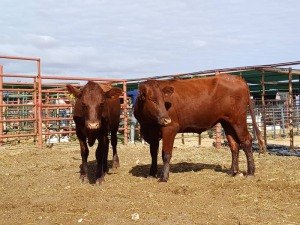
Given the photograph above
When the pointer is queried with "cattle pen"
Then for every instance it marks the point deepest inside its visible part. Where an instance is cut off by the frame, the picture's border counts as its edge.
(38, 108)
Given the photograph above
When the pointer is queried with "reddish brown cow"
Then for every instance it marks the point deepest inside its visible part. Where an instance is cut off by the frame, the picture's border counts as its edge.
(167, 107)
(96, 113)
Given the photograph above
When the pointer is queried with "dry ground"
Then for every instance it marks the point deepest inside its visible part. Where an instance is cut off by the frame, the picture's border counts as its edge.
(43, 187)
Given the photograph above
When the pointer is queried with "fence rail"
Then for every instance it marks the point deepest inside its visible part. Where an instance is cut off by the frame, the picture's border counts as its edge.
(40, 108)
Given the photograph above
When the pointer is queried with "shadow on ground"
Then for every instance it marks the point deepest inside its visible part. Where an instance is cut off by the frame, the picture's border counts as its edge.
(92, 167)
(182, 167)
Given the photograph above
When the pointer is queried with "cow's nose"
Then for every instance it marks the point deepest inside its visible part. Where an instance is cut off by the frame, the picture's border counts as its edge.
(166, 121)
(94, 125)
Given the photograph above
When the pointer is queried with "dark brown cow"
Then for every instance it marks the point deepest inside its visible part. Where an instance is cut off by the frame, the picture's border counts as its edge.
(167, 107)
(96, 113)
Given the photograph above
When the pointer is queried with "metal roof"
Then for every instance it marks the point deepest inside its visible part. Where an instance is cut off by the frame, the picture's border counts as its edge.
(275, 77)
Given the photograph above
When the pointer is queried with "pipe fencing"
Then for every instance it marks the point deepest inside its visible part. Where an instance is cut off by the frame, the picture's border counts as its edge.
(39, 108)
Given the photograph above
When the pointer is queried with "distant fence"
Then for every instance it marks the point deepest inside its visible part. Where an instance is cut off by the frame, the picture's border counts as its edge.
(38, 107)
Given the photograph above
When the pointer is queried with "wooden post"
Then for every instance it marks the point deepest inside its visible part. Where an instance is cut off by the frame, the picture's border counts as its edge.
(263, 105)
(218, 127)
(291, 111)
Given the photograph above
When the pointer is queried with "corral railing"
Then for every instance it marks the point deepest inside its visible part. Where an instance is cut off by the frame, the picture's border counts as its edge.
(38, 107)
(276, 121)
(18, 117)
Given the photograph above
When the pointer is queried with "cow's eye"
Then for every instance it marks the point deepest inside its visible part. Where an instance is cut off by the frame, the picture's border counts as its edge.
(153, 100)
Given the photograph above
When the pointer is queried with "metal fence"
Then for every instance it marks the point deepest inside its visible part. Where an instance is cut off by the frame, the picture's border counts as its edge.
(38, 108)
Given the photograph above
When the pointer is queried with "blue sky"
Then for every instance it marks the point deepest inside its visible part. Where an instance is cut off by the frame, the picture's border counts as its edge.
(135, 39)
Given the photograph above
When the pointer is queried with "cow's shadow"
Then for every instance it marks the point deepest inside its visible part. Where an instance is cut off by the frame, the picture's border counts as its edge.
(143, 170)
(182, 167)
(92, 167)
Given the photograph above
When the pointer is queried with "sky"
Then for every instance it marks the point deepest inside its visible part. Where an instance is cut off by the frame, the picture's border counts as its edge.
(136, 39)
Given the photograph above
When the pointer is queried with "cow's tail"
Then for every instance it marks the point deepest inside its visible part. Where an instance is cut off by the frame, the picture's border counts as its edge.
(261, 143)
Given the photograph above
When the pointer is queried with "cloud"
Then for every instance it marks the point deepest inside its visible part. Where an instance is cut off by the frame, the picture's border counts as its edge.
(41, 41)
(136, 39)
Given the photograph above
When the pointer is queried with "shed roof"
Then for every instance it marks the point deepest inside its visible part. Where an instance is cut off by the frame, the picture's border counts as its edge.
(275, 77)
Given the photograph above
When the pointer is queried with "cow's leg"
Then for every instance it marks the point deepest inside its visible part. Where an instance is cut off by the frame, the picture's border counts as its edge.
(151, 136)
(114, 141)
(234, 147)
(167, 148)
(246, 143)
(84, 150)
(154, 145)
(105, 157)
(101, 157)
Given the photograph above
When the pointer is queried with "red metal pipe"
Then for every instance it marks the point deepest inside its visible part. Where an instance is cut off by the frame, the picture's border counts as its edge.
(1, 102)
(18, 58)
(81, 78)
(125, 113)
(19, 75)
(17, 120)
(39, 106)
(15, 89)
(17, 135)
(29, 105)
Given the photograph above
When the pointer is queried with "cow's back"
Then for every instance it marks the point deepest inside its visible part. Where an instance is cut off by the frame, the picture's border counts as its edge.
(199, 103)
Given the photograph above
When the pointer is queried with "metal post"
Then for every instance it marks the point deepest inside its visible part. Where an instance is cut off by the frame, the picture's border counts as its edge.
(125, 113)
(297, 116)
(282, 122)
(34, 109)
(291, 111)
(274, 123)
(39, 106)
(263, 105)
(1, 102)
(182, 138)
(18, 117)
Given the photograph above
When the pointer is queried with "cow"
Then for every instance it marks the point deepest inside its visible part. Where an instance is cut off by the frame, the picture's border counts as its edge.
(96, 113)
(167, 107)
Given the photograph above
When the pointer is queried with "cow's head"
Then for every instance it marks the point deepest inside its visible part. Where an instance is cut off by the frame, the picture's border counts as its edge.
(152, 102)
(91, 100)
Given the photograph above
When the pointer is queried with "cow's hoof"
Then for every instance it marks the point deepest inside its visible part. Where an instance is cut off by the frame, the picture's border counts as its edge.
(116, 162)
(162, 179)
(250, 176)
(84, 178)
(116, 165)
(100, 180)
(153, 174)
(232, 173)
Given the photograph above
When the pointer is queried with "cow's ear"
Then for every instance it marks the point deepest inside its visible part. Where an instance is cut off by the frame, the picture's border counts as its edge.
(74, 91)
(168, 91)
(142, 94)
(114, 93)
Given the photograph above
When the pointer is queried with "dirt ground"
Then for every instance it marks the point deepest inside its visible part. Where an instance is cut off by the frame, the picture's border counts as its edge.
(43, 187)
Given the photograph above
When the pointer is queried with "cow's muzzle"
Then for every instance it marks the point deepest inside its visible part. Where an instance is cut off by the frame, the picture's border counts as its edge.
(93, 125)
(165, 121)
